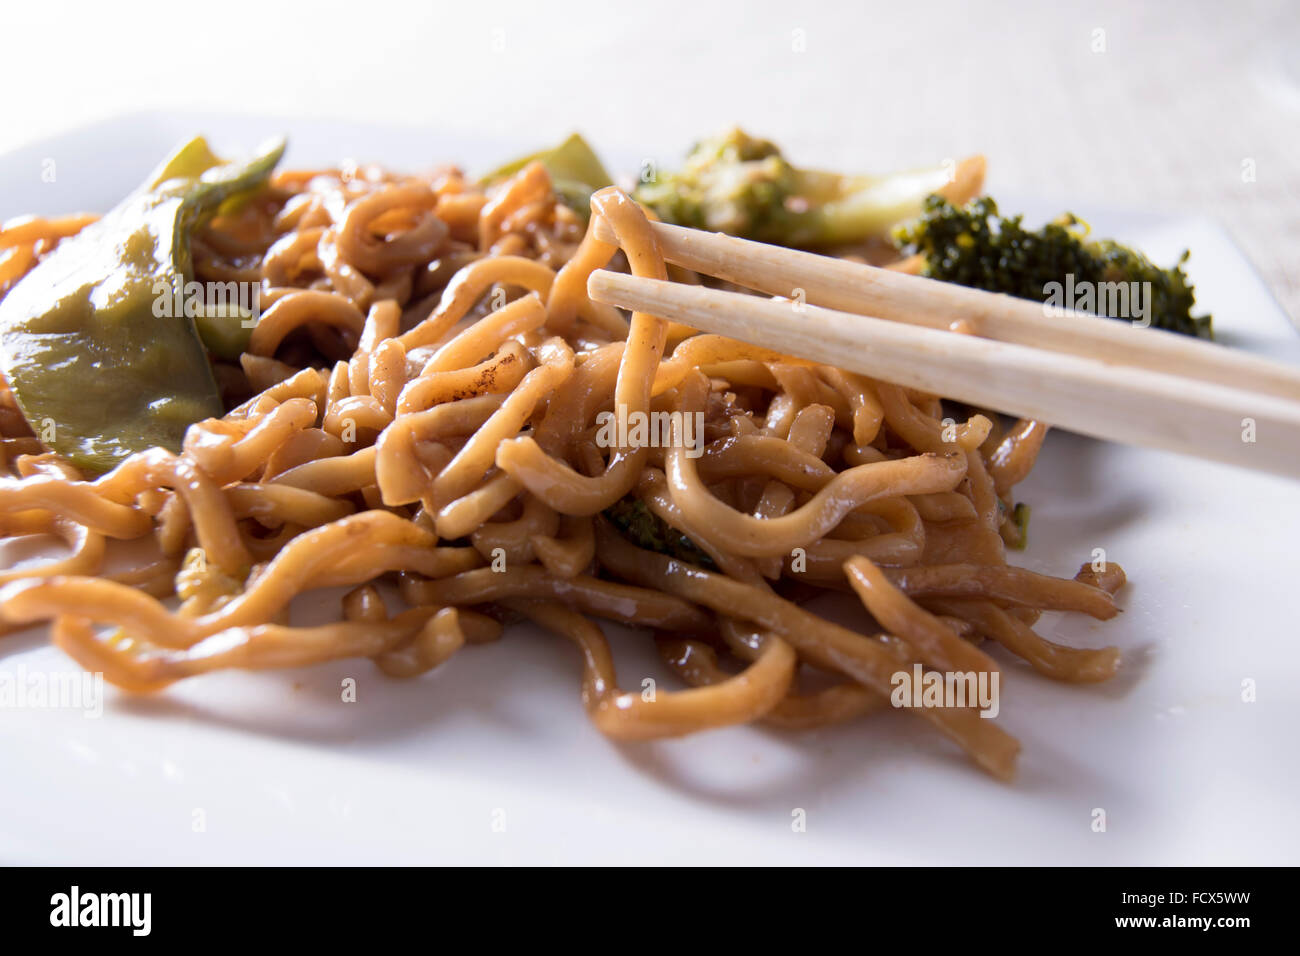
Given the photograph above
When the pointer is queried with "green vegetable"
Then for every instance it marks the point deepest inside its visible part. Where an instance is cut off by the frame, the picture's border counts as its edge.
(1020, 519)
(576, 172)
(225, 328)
(974, 246)
(99, 370)
(743, 186)
(647, 530)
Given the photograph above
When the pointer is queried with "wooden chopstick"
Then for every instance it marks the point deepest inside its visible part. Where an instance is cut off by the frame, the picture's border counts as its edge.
(1102, 399)
(899, 297)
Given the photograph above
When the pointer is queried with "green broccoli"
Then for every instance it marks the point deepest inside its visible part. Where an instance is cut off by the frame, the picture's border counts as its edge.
(972, 245)
(743, 186)
(647, 530)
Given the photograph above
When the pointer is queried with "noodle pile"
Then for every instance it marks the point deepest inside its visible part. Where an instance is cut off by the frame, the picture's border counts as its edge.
(418, 407)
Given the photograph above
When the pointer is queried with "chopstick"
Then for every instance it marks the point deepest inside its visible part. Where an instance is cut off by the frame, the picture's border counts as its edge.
(1105, 400)
(885, 294)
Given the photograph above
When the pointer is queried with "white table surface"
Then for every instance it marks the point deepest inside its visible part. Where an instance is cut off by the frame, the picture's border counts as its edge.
(1182, 98)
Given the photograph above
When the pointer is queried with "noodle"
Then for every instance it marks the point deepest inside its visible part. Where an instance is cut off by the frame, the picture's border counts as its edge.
(428, 384)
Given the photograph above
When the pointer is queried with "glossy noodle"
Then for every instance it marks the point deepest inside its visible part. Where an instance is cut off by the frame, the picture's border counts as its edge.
(417, 420)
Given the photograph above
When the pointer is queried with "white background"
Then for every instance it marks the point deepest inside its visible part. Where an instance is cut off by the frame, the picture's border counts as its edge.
(1159, 110)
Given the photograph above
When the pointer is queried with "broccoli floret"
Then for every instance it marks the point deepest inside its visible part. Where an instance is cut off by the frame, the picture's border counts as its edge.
(743, 186)
(647, 530)
(731, 183)
(974, 246)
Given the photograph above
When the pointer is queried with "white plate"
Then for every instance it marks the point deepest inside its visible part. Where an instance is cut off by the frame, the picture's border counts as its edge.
(491, 759)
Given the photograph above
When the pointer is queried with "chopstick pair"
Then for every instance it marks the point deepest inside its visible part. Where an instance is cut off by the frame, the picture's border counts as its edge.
(1092, 375)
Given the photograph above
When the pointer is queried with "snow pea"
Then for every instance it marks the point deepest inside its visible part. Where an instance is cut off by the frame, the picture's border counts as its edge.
(95, 370)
